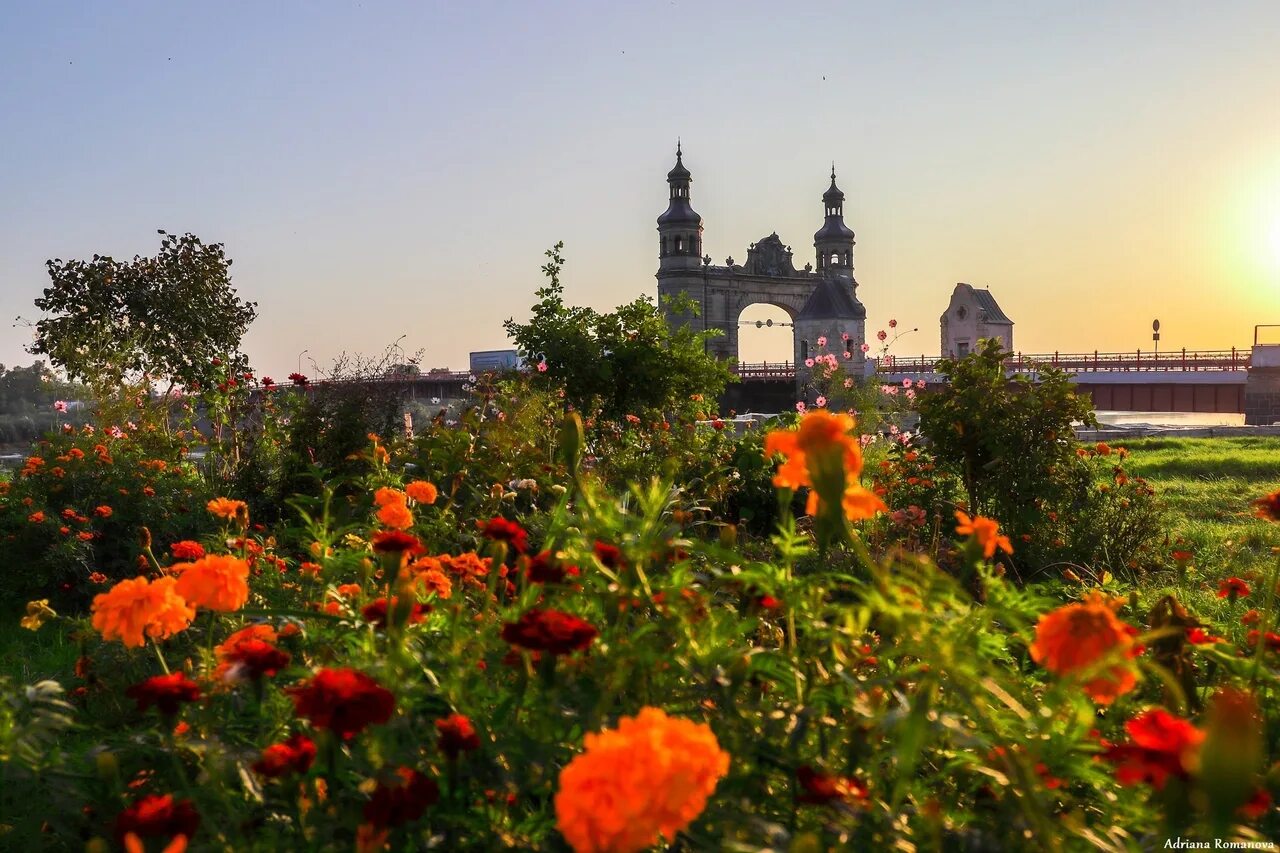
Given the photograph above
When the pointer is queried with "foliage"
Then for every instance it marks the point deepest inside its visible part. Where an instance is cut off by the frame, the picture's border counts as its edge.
(71, 520)
(173, 318)
(629, 361)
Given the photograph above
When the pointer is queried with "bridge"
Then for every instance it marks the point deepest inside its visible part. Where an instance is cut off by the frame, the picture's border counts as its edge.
(1178, 381)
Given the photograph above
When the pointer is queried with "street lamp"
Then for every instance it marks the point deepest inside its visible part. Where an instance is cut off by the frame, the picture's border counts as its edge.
(300, 355)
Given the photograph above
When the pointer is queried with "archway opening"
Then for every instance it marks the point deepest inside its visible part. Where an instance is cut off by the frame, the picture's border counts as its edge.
(765, 335)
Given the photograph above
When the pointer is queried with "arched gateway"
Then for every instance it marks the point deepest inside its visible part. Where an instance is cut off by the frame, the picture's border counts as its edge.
(821, 299)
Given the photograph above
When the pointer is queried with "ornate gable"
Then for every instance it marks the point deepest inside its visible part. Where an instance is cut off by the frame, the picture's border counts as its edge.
(770, 257)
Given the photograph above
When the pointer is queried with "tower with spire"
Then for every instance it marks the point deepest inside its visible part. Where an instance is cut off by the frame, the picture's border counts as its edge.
(680, 226)
(833, 242)
(820, 299)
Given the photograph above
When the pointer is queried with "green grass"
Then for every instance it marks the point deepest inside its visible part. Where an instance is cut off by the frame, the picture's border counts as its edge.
(31, 656)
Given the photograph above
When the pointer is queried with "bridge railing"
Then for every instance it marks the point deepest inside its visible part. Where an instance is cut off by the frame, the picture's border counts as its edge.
(766, 370)
(1089, 362)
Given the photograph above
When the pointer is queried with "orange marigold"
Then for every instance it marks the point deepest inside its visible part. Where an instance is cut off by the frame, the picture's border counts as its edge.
(821, 447)
(396, 515)
(1268, 507)
(1075, 637)
(985, 531)
(649, 777)
(226, 507)
(133, 610)
(422, 491)
(216, 582)
(386, 496)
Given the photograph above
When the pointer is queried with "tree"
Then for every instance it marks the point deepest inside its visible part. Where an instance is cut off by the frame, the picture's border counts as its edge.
(173, 319)
(626, 362)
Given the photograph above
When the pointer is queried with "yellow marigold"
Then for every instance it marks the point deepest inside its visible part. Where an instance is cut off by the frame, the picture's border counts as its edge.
(649, 777)
(422, 491)
(215, 582)
(1075, 637)
(985, 531)
(39, 612)
(396, 515)
(133, 610)
(387, 497)
(226, 508)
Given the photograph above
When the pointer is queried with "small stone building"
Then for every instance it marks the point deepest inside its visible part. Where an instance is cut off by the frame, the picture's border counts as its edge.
(971, 315)
(832, 312)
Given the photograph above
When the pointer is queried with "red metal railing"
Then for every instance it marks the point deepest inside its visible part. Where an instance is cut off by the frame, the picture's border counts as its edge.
(766, 370)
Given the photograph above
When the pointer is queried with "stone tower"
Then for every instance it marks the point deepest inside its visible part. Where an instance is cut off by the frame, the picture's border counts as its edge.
(768, 276)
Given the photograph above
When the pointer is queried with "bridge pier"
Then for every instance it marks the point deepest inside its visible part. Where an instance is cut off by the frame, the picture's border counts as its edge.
(1262, 389)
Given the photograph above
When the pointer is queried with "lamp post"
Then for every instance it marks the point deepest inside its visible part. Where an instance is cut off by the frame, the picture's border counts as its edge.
(300, 355)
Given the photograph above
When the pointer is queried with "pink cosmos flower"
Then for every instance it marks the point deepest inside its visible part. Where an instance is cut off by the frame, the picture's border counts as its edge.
(60, 406)
(910, 393)
(919, 383)
(542, 367)
(844, 336)
(882, 334)
(800, 406)
(808, 362)
(864, 440)
(68, 428)
(866, 347)
(822, 340)
(847, 355)
(887, 389)
(893, 429)
(906, 383)
(820, 402)
(848, 383)
(893, 324)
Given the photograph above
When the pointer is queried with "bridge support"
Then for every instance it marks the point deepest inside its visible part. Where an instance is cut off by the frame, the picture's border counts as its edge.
(1262, 390)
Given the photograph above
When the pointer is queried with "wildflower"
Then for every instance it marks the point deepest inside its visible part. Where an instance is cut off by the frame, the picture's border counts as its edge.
(396, 542)
(36, 517)
(881, 335)
(59, 405)
(226, 508)
(500, 529)
(396, 515)
(1075, 637)
(648, 778)
(38, 612)
(893, 324)
(344, 701)
(215, 582)
(295, 755)
(187, 550)
(1233, 588)
(542, 367)
(808, 362)
(1268, 507)
(165, 692)
(298, 379)
(103, 511)
(550, 631)
(822, 340)
(157, 816)
(375, 612)
(422, 491)
(985, 531)
(457, 735)
(821, 788)
(1162, 746)
(402, 801)
(138, 607)
(865, 347)
(907, 383)
(820, 402)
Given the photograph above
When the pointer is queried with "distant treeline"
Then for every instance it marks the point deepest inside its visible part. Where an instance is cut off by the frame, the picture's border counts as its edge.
(27, 398)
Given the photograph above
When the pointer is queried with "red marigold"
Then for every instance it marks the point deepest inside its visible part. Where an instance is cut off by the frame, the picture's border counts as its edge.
(1162, 746)
(1273, 640)
(500, 529)
(344, 701)
(545, 568)
(402, 801)
(1232, 588)
(298, 379)
(253, 658)
(375, 612)
(166, 692)
(610, 556)
(1075, 637)
(294, 755)
(550, 631)
(820, 788)
(103, 511)
(396, 542)
(457, 735)
(186, 550)
(157, 816)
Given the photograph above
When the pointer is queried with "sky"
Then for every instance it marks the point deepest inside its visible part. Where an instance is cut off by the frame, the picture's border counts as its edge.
(386, 172)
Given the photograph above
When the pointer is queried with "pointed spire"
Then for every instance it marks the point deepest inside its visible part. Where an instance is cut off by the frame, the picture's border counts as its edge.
(678, 149)
(833, 172)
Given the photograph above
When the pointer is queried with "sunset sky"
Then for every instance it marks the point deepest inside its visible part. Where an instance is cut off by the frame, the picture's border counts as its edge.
(380, 169)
